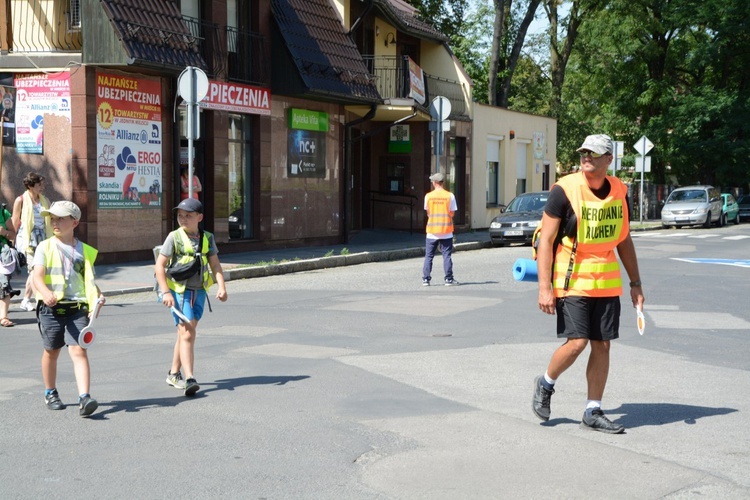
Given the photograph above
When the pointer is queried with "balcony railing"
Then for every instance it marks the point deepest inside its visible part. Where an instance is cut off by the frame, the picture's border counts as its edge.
(229, 52)
(36, 26)
(391, 74)
(450, 89)
(246, 55)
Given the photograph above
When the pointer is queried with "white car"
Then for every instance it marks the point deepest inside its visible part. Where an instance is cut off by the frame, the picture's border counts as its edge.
(693, 205)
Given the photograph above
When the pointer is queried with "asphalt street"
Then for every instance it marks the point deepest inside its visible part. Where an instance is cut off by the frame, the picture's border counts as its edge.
(357, 382)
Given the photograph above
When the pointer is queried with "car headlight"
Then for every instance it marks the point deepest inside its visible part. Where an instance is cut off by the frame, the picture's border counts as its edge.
(666, 212)
(495, 225)
(701, 210)
(534, 223)
(233, 218)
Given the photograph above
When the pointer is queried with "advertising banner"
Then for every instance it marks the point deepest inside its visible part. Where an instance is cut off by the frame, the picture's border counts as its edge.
(416, 82)
(8, 114)
(39, 94)
(128, 127)
(540, 145)
(307, 143)
(236, 97)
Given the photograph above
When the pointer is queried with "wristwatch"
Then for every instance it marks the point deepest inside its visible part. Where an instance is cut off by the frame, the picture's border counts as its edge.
(634, 284)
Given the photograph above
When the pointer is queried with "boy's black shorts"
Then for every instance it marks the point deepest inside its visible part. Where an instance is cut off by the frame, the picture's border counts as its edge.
(58, 330)
(593, 318)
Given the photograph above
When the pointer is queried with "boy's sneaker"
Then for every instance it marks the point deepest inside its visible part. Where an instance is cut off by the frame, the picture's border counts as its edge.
(176, 380)
(598, 422)
(191, 387)
(541, 400)
(53, 401)
(87, 405)
(27, 305)
(451, 282)
(425, 282)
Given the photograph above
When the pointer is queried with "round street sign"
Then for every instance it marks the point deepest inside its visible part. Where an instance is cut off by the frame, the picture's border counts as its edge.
(440, 108)
(192, 85)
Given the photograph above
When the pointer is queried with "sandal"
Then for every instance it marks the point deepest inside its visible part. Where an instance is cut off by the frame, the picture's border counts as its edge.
(5, 322)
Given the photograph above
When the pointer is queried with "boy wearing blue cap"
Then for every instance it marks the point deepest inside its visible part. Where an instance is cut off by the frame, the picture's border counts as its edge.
(187, 297)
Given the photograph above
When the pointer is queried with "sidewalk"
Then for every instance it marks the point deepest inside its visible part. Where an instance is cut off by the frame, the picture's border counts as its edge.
(370, 245)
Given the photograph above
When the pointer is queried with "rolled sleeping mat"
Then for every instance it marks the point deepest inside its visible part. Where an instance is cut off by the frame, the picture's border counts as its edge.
(525, 270)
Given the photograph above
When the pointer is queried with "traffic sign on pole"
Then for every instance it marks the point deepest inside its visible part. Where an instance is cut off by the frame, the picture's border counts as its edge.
(643, 146)
(192, 85)
(440, 110)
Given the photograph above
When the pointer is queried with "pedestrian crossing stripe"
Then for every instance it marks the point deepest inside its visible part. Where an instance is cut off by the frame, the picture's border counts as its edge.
(689, 235)
(723, 262)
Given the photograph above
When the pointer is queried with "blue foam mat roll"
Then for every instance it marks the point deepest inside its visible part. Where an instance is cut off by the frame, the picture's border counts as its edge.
(525, 270)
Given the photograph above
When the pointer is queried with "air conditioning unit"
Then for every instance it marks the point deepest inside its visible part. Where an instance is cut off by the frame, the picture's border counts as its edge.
(74, 15)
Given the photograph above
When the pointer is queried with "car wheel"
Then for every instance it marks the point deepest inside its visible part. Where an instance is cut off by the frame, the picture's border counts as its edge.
(736, 218)
(723, 220)
(707, 224)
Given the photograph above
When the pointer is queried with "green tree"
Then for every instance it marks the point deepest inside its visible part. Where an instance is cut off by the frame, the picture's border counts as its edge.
(508, 34)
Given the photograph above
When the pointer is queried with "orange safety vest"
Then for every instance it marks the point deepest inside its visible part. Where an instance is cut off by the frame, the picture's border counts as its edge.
(602, 225)
(439, 220)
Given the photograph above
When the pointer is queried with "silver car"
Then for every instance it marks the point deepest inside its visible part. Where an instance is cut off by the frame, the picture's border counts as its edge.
(693, 205)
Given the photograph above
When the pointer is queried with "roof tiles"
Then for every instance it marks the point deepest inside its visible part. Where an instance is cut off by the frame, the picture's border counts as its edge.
(326, 57)
(152, 31)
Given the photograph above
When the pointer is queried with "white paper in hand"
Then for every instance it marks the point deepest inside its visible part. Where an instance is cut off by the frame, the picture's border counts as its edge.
(641, 319)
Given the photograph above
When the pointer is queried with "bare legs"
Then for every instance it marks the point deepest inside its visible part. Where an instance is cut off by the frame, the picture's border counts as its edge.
(597, 369)
(184, 348)
(80, 367)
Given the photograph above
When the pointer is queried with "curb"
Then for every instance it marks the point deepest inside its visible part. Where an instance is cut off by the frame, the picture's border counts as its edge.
(250, 271)
(338, 261)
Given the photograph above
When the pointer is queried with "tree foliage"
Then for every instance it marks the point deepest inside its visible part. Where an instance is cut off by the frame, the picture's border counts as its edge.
(673, 70)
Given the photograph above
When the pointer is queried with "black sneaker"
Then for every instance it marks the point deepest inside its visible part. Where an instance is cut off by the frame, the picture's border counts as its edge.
(191, 387)
(598, 422)
(425, 282)
(87, 405)
(53, 401)
(540, 401)
(451, 282)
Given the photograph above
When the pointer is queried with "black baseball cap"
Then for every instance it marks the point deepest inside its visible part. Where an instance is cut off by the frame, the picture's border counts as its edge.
(190, 205)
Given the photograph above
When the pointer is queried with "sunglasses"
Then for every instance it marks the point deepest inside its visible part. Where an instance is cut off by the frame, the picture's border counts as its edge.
(584, 154)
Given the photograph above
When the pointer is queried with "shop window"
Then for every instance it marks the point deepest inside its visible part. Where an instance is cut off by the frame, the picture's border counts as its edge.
(395, 178)
(240, 177)
(493, 181)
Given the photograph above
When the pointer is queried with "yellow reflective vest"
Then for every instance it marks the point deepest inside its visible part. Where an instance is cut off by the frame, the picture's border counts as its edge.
(54, 276)
(601, 226)
(184, 253)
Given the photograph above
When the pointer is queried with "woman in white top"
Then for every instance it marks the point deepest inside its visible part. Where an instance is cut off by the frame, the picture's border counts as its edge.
(32, 227)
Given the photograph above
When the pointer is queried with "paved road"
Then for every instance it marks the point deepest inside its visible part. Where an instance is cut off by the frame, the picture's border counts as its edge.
(357, 382)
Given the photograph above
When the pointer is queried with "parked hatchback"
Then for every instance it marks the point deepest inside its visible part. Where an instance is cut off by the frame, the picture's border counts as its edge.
(517, 222)
(731, 209)
(744, 204)
(693, 205)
